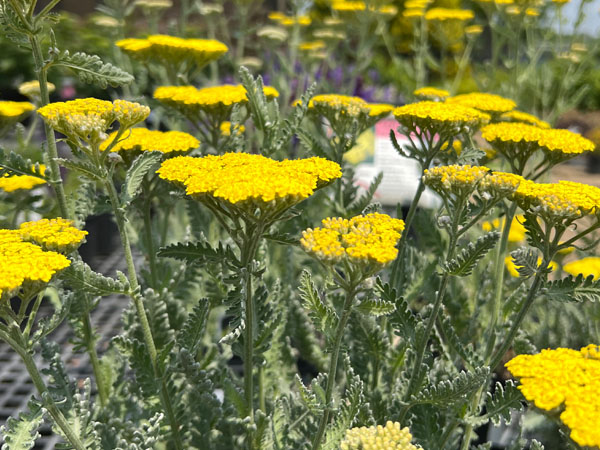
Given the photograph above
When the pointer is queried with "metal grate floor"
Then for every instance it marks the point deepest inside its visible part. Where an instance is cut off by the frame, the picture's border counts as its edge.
(16, 387)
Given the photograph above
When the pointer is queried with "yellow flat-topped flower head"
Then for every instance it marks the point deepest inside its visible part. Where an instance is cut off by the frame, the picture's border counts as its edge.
(489, 103)
(215, 101)
(446, 14)
(500, 184)
(11, 183)
(387, 437)
(343, 6)
(24, 265)
(144, 140)
(564, 143)
(290, 21)
(364, 241)
(516, 141)
(584, 266)
(13, 112)
(88, 119)
(555, 202)
(566, 381)
(250, 182)
(520, 116)
(455, 179)
(430, 115)
(174, 50)
(329, 104)
(431, 93)
(31, 89)
(58, 235)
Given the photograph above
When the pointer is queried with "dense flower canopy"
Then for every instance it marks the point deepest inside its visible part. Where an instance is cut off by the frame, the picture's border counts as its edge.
(142, 139)
(388, 437)
(250, 180)
(57, 234)
(369, 239)
(565, 381)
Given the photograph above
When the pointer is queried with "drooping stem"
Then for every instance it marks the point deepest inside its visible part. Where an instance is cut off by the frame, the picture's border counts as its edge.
(333, 363)
(39, 384)
(56, 180)
(141, 311)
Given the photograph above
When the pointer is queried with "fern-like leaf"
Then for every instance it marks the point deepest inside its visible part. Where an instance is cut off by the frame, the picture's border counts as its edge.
(309, 398)
(198, 252)
(358, 205)
(143, 164)
(12, 163)
(467, 259)
(80, 276)
(375, 307)
(92, 70)
(450, 392)
(505, 399)
(86, 169)
(525, 260)
(573, 289)
(324, 317)
(190, 336)
(21, 433)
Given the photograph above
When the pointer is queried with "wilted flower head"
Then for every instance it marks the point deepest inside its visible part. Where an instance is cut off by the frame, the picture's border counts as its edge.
(58, 235)
(564, 381)
(273, 33)
(250, 182)
(388, 437)
(368, 240)
(88, 119)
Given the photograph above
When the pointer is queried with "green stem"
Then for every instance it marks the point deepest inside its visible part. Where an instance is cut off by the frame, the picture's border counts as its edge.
(56, 180)
(262, 404)
(139, 305)
(333, 363)
(103, 387)
(32, 314)
(39, 384)
(249, 347)
(150, 240)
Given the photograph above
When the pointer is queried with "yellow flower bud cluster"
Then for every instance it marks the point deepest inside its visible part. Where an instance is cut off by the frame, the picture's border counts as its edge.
(31, 89)
(558, 201)
(174, 50)
(216, 101)
(142, 139)
(89, 118)
(388, 437)
(351, 6)
(444, 14)
(520, 116)
(344, 105)
(455, 179)
(428, 115)
(26, 265)
(585, 266)
(369, 239)
(564, 380)
(11, 183)
(250, 181)
(431, 93)
(289, 21)
(502, 184)
(58, 235)
(489, 103)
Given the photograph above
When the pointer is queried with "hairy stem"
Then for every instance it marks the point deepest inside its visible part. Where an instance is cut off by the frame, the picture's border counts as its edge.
(333, 363)
(103, 387)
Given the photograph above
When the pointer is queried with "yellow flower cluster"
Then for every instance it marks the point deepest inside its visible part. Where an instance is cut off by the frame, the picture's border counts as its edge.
(142, 139)
(289, 21)
(23, 264)
(14, 110)
(31, 89)
(11, 183)
(461, 180)
(489, 103)
(173, 50)
(565, 142)
(89, 118)
(57, 235)
(444, 14)
(567, 380)
(217, 100)
(312, 46)
(351, 6)
(431, 93)
(586, 266)
(517, 230)
(512, 268)
(388, 437)
(501, 184)
(520, 116)
(558, 201)
(250, 180)
(369, 239)
(348, 106)
(429, 115)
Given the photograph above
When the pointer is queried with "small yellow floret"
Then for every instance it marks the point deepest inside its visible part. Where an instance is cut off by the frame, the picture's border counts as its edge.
(564, 380)
(388, 437)
(369, 239)
(57, 234)
(142, 139)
